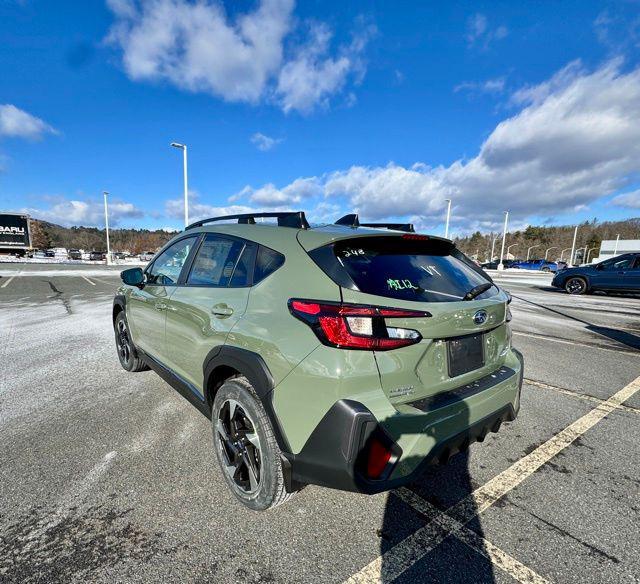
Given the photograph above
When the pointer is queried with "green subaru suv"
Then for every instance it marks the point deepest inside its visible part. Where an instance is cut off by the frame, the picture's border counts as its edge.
(347, 355)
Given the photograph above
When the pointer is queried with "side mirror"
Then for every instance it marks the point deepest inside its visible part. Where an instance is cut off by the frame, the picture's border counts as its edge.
(599, 267)
(133, 277)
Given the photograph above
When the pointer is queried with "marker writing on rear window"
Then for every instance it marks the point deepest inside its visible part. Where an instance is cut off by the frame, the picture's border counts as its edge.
(400, 285)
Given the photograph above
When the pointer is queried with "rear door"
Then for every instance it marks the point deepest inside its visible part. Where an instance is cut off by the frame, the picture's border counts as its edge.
(208, 302)
(146, 306)
(632, 276)
(462, 340)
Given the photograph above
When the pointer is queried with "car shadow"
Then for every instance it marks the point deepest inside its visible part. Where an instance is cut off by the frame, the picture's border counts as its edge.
(620, 336)
(438, 556)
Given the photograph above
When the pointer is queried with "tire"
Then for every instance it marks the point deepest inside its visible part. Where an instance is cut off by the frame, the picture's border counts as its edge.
(576, 285)
(545, 269)
(127, 354)
(246, 447)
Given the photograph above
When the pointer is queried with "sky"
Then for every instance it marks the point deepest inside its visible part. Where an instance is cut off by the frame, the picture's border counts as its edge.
(387, 109)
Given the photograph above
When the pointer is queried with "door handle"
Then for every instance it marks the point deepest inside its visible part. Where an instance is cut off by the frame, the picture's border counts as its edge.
(160, 306)
(221, 310)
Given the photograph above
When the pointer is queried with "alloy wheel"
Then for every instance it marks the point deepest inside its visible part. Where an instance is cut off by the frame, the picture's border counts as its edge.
(240, 446)
(123, 342)
(575, 286)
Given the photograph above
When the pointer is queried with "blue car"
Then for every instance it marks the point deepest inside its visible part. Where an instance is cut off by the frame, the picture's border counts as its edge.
(619, 274)
(539, 265)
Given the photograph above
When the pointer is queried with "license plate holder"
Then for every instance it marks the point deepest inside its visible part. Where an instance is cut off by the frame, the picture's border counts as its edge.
(465, 354)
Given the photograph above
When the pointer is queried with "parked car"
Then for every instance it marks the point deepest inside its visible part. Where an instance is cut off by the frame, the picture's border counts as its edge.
(619, 274)
(494, 264)
(119, 255)
(74, 254)
(97, 256)
(146, 256)
(49, 253)
(538, 265)
(312, 349)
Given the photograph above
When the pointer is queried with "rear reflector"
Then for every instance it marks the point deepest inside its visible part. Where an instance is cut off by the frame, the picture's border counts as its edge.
(378, 458)
(354, 326)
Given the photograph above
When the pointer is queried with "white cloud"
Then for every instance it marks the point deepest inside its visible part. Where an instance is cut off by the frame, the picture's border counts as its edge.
(292, 194)
(69, 212)
(263, 142)
(197, 47)
(174, 208)
(479, 33)
(490, 86)
(618, 27)
(629, 200)
(16, 123)
(312, 76)
(576, 139)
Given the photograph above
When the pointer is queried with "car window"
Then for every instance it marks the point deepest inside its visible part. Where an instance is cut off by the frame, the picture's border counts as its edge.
(267, 262)
(621, 263)
(242, 273)
(165, 271)
(215, 262)
(636, 265)
(403, 271)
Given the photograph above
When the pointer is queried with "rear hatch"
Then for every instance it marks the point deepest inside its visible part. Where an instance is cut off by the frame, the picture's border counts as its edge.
(460, 340)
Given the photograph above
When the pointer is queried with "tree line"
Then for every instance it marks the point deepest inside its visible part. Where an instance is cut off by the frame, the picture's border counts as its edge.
(46, 235)
(590, 233)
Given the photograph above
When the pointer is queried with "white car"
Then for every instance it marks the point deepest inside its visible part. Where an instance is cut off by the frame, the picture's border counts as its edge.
(146, 256)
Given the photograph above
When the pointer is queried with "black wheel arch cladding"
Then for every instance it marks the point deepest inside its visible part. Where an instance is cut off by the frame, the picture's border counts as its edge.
(219, 363)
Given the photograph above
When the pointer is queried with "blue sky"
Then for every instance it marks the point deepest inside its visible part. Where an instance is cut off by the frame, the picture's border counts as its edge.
(387, 108)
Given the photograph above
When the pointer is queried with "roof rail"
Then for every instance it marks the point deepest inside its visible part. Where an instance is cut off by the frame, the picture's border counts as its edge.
(295, 219)
(351, 220)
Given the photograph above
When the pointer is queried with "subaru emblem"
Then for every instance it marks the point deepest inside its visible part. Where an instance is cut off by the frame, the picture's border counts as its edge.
(480, 317)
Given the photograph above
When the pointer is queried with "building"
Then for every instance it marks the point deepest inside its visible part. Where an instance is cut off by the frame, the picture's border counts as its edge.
(610, 248)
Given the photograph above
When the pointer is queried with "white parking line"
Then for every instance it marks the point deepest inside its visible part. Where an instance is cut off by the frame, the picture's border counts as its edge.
(5, 284)
(575, 343)
(87, 279)
(399, 558)
(499, 558)
(582, 396)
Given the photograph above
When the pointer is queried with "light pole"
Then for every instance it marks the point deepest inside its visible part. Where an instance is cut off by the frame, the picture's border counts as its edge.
(573, 246)
(509, 248)
(546, 253)
(504, 238)
(106, 225)
(562, 252)
(183, 147)
(615, 249)
(589, 253)
(446, 225)
(530, 248)
(493, 244)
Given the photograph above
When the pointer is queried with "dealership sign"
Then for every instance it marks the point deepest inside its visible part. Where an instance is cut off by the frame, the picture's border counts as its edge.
(14, 231)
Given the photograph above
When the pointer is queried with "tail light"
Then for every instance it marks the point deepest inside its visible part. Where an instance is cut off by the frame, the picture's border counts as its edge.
(354, 326)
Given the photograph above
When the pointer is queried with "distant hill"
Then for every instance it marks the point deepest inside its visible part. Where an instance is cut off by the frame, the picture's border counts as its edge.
(46, 235)
(590, 233)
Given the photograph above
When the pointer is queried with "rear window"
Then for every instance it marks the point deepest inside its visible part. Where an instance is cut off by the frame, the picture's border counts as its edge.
(424, 271)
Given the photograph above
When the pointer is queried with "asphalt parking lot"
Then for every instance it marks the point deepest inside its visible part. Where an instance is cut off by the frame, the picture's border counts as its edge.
(108, 476)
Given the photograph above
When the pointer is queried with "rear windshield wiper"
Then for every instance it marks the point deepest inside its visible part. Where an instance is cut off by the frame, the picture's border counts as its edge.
(477, 291)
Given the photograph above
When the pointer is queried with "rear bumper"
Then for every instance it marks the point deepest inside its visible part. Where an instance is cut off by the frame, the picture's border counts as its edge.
(335, 455)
